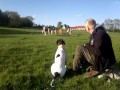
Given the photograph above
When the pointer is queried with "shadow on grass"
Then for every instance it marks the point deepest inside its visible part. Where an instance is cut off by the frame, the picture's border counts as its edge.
(17, 31)
(70, 73)
(117, 65)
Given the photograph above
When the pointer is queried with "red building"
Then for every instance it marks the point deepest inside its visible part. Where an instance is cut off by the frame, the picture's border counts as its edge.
(78, 28)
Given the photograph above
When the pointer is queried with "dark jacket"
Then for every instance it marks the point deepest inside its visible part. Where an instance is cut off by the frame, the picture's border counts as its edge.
(100, 46)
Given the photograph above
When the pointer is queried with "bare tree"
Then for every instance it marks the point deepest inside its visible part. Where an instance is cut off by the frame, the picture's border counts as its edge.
(109, 24)
(112, 24)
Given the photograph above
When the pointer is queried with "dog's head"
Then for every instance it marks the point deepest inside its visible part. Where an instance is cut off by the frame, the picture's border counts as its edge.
(60, 42)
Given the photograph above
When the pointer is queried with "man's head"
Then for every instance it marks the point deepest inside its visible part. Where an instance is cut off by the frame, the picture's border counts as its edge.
(60, 42)
(90, 25)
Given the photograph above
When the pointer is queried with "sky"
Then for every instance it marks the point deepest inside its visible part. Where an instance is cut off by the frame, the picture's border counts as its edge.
(70, 12)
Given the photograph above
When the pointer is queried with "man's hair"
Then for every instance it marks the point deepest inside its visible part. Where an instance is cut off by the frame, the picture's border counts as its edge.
(91, 23)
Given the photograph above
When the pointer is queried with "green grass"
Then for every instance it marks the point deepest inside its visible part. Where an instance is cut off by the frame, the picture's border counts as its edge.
(26, 57)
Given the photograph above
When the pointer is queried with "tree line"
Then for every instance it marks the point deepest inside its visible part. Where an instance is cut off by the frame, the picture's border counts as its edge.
(13, 19)
(112, 24)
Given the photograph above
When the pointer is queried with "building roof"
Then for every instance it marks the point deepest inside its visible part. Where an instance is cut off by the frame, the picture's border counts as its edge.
(78, 27)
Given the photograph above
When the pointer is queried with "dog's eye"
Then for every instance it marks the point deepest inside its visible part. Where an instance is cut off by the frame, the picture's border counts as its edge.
(58, 55)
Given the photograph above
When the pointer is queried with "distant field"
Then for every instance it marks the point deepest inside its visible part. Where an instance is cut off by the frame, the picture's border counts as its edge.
(26, 57)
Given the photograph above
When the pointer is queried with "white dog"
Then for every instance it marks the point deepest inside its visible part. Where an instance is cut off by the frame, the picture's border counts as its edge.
(112, 74)
(58, 68)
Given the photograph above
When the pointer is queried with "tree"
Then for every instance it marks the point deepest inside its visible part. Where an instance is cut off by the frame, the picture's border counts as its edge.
(4, 20)
(112, 24)
(1, 17)
(30, 18)
(25, 22)
(117, 23)
(59, 25)
(109, 24)
(14, 19)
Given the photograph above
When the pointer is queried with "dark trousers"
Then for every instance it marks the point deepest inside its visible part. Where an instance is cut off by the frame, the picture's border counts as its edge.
(82, 55)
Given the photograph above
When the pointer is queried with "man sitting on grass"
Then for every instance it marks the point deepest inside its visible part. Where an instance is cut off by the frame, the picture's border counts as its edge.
(98, 52)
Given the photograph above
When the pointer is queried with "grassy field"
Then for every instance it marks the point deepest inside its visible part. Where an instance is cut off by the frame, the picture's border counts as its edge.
(26, 57)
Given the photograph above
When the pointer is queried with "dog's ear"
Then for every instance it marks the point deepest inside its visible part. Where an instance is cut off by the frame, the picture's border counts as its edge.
(60, 42)
(57, 42)
(63, 42)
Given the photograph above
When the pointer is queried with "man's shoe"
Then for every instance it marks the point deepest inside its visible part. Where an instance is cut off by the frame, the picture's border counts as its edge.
(89, 68)
(92, 73)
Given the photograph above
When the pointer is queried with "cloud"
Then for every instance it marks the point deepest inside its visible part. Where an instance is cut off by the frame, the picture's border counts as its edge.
(44, 19)
(34, 16)
(41, 17)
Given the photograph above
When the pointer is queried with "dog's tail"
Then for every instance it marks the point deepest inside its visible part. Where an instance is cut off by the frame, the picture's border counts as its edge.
(53, 80)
